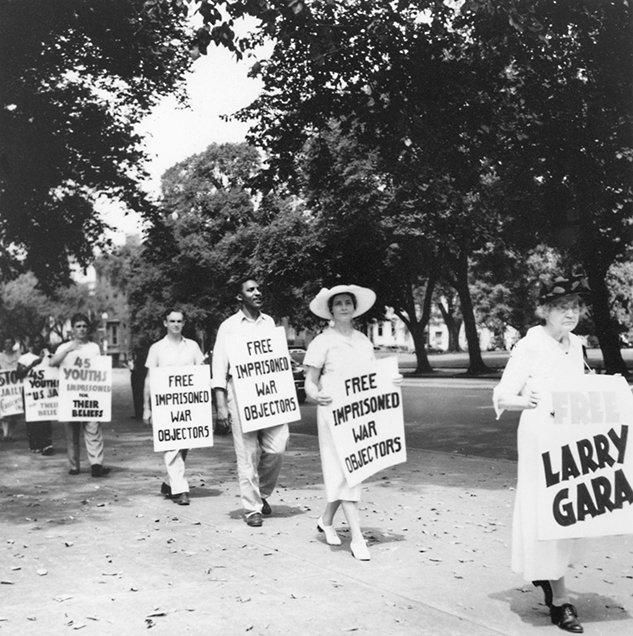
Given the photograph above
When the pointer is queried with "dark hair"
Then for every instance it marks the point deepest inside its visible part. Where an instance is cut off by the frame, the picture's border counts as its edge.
(174, 310)
(79, 316)
(330, 300)
(239, 282)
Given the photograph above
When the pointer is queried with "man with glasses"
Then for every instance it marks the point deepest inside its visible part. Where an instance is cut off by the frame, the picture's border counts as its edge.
(172, 351)
(81, 346)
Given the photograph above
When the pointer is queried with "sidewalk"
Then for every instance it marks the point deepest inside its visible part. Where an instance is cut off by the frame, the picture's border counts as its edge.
(111, 556)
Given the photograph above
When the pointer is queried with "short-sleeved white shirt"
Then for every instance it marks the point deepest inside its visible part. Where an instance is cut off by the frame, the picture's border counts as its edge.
(167, 353)
(239, 326)
(86, 350)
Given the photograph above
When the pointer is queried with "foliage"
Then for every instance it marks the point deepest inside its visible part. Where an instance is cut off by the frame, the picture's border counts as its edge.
(76, 79)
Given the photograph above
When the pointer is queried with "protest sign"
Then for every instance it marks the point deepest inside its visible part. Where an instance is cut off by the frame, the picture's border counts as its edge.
(85, 389)
(10, 393)
(41, 394)
(583, 458)
(366, 420)
(262, 378)
(181, 407)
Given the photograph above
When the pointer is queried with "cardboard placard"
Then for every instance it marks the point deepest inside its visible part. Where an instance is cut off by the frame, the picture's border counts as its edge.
(85, 389)
(41, 394)
(181, 407)
(262, 379)
(10, 393)
(583, 458)
(366, 420)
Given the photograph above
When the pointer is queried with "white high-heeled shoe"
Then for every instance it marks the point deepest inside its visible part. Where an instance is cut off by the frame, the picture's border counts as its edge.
(360, 551)
(331, 538)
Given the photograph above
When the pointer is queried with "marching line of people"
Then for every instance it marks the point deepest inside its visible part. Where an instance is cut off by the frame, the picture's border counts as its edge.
(546, 352)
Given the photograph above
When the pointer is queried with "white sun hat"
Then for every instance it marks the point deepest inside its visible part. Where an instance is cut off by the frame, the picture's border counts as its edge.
(365, 298)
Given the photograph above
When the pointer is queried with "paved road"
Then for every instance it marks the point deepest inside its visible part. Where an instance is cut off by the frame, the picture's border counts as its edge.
(449, 415)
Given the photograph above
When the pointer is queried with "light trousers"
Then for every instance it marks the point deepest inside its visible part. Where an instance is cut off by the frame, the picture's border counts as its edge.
(93, 438)
(259, 457)
(175, 465)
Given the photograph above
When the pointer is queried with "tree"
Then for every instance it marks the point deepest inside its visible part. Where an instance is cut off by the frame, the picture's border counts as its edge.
(76, 79)
(567, 129)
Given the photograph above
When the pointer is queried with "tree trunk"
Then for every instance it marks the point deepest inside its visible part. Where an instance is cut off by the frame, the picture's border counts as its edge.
(476, 364)
(606, 329)
(452, 325)
(422, 359)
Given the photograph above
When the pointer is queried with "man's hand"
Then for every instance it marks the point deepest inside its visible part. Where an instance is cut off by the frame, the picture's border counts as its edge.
(397, 379)
(223, 420)
(147, 415)
(532, 399)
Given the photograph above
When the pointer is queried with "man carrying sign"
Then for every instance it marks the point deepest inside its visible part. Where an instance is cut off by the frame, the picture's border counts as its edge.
(67, 354)
(173, 350)
(259, 453)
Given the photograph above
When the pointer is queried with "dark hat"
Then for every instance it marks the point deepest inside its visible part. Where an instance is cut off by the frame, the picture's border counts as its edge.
(560, 286)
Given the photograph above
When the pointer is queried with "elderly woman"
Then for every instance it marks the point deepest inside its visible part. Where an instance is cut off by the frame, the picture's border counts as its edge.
(338, 349)
(547, 351)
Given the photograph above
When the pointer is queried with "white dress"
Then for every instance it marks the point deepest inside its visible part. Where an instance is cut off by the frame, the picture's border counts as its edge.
(536, 360)
(334, 353)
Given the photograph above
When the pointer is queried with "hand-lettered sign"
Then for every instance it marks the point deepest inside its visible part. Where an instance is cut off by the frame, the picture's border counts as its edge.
(366, 420)
(85, 389)
(583, 458)
(181, 407)
(262, 379)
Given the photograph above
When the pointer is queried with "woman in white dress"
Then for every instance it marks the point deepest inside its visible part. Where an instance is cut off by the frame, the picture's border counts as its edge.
(338, 349)
(547, 352)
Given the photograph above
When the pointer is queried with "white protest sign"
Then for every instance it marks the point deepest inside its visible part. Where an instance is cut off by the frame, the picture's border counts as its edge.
(10, 393)
(41, 394)
(262, 378)
(366, 420)
(181, 407)
(85, 389)
(583, 458)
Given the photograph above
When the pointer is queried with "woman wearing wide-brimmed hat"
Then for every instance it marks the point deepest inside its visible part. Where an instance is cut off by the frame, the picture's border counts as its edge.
(548, 351)
(338, 349)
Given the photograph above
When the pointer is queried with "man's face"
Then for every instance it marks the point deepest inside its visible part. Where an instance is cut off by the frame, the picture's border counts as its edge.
(8, 344)
(174, 323)
(250, 296)
(80, 330)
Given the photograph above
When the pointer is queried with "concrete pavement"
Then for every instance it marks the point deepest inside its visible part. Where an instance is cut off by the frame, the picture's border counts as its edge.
(112, 556)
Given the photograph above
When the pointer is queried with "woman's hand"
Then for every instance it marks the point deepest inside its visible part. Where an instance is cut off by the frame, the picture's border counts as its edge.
(322, 398)
(532, 399)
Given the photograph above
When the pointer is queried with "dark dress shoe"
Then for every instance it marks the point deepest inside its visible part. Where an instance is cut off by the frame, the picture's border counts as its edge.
(165, 489)
(547, 591)
(266, 509)
(255, 520)
(73, 471)
(98, 470)
(182, 499)
(566, 617)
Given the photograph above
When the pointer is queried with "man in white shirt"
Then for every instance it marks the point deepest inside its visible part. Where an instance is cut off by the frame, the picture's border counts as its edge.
(65, 356)
(173, 350)
(9, 362)
(259, 453)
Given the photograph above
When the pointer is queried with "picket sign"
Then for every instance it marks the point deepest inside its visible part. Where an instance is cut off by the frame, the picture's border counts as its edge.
(41, 394)
(583, 458)
(262, 379)
(85, 389)
(10, 393)
(181, 407)
(366, 420)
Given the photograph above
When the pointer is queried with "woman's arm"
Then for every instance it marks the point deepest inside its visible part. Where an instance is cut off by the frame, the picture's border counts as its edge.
(312, 387)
